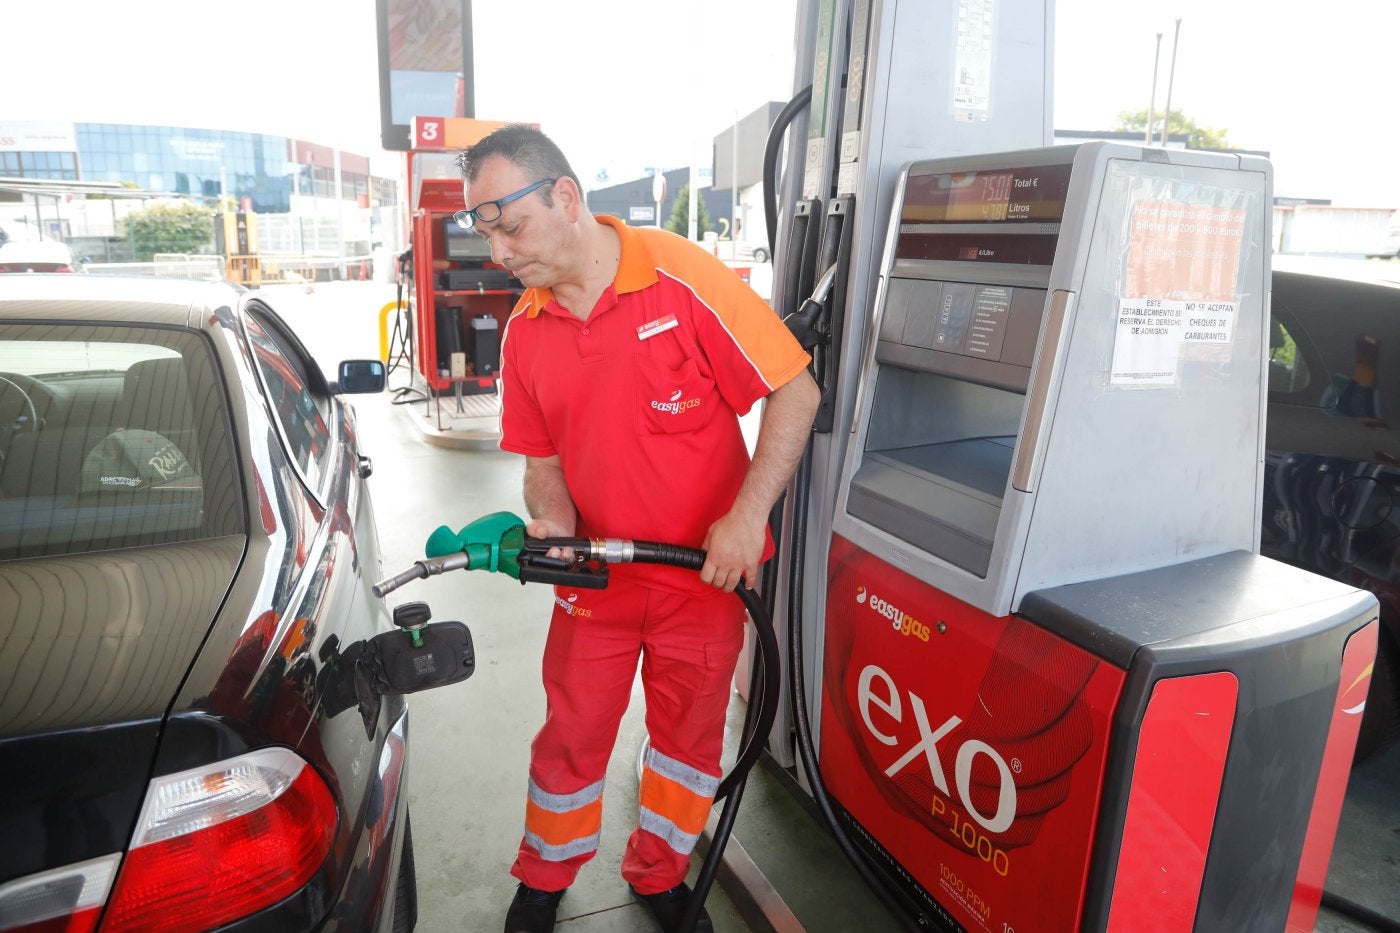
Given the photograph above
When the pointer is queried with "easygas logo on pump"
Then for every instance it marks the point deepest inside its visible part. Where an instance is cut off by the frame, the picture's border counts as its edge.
(990, 734)
(904, 623)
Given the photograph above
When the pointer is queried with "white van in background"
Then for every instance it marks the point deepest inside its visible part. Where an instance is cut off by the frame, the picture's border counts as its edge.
(36, 256)
(1389, 248)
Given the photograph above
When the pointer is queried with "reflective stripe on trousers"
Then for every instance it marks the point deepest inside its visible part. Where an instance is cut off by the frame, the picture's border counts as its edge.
(561, 826)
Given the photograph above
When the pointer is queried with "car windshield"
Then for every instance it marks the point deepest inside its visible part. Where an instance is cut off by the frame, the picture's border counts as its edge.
(111, 436)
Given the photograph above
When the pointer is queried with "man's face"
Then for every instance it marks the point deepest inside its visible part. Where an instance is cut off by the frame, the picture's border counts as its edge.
(529, 238)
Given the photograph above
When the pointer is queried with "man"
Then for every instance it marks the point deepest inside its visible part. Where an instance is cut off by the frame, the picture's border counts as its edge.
(625, 366)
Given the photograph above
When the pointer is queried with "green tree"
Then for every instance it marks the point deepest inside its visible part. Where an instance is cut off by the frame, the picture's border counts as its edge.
(1198, 137)
(171, 228)
(679, 221)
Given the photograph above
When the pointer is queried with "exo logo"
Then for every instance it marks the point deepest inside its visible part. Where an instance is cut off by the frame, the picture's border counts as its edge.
(886, 699)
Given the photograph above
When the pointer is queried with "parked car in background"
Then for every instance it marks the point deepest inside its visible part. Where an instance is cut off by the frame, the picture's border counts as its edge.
(1332, 467)
(1389, 247)
(37, 256)
(757, 252)
(186, 553)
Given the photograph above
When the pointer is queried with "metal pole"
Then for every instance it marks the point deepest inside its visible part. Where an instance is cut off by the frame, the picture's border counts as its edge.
(734, 193)
(694, 226)
(1152, 101)
(1171, 75)
(339, 213)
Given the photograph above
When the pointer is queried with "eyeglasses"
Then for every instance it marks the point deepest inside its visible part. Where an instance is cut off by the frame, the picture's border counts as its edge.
(490, 211)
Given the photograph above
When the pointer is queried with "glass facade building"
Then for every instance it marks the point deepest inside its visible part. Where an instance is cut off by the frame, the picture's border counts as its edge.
(313, 201)
(59, 166)
(197, 163)
(205, 163)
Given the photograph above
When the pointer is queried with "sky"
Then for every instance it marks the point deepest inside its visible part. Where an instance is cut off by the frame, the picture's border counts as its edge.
(627, 84)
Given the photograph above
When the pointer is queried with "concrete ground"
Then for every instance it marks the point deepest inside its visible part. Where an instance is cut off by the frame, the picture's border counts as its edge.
(470, 742)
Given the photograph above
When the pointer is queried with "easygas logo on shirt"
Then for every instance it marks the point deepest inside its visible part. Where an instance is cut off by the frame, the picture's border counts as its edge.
(571, 606)
(903, 622)
(675, 404)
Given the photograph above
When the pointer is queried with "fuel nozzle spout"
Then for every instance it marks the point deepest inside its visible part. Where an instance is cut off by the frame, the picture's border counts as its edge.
(808, 322)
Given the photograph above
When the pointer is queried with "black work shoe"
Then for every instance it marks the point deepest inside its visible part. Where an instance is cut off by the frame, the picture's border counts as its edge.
(669, 906)
(532, 910)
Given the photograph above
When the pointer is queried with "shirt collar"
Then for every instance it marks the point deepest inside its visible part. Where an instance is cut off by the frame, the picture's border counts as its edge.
(636, 269)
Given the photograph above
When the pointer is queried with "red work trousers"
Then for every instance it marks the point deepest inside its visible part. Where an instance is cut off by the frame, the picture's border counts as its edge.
(689, 647)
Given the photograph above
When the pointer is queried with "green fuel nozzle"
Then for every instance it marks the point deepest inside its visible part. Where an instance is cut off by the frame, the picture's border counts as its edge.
(491, 543)
(497, 543)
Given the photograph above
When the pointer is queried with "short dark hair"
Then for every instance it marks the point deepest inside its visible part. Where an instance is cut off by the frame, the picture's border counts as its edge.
(523, 146)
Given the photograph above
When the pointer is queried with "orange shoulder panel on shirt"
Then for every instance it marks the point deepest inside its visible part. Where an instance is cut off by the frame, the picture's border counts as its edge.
(746, 317)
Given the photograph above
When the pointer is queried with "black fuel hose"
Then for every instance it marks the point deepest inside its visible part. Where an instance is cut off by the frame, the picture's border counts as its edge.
(763, 693)
(798, 694)
(771, 150)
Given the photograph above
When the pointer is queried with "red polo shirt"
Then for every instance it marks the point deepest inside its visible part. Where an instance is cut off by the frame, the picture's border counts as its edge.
(641, 401)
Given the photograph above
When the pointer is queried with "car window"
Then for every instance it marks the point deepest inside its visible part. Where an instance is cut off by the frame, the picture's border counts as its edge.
(110, 437)
(1288, 367)
(296, 406)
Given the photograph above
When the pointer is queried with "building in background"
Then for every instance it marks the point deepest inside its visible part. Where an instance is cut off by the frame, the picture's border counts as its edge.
(633, 200)
(61, 181)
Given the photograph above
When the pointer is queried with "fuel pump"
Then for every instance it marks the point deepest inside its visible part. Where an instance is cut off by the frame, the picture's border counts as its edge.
(1043, 680)
(460, 299)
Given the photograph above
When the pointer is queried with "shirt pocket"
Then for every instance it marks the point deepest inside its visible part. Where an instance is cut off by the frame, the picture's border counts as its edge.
(673, 400)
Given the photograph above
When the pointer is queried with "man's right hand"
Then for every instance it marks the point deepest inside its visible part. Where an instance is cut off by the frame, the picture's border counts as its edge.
(547, 497)
(545, 528)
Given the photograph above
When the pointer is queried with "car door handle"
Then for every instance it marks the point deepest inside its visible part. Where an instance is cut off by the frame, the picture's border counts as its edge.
(366, 467)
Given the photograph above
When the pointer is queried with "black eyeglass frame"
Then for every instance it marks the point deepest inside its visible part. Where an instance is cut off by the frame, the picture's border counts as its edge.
(469, 218)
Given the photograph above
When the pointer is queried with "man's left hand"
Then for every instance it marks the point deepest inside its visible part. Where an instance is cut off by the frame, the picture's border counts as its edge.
(733, 547)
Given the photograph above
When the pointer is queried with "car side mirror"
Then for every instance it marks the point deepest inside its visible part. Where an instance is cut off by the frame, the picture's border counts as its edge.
(359, 377)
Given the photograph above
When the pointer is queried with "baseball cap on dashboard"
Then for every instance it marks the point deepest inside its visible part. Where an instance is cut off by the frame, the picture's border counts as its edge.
(135, 459)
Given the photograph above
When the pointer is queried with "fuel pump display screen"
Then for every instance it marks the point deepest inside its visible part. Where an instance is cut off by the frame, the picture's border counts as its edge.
(1016, 195)
(1003, 216)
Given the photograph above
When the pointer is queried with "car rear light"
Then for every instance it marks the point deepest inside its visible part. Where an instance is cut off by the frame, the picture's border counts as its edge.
(218, 843)
(64, 900)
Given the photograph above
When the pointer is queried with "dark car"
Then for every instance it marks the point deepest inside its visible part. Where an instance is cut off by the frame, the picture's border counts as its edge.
(1332, 466)
(186, 552)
